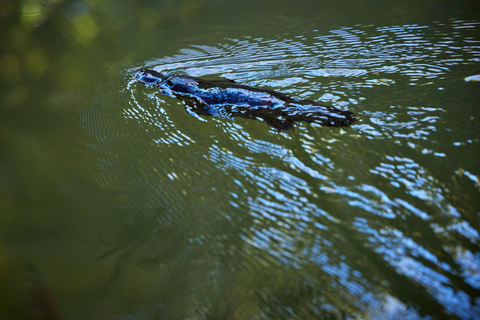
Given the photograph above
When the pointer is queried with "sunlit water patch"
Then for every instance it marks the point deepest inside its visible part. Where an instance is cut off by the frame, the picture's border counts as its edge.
(372, 221)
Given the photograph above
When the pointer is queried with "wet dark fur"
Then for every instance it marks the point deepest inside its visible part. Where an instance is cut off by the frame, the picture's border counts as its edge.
(226, 98)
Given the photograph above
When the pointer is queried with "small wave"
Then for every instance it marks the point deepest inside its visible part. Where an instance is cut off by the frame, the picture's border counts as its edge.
(9, 8)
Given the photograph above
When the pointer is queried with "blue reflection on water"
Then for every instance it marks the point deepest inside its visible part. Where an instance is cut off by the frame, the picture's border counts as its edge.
(365, 209)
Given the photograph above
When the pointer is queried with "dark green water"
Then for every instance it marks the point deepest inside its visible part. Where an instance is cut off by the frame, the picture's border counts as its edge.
(115, 203)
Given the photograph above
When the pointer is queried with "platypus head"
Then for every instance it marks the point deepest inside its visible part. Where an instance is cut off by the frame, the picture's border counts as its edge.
(150, 77)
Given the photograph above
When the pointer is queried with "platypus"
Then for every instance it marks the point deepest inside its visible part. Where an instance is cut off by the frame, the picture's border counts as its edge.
(227, 98)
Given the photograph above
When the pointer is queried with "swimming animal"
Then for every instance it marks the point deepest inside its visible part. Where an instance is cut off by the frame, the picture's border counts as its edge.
(227, 98)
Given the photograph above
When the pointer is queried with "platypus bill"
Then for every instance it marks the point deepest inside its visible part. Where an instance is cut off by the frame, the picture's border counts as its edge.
(226, 98)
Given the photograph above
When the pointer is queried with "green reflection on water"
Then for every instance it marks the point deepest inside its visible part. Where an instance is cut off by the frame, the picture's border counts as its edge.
(111, 212)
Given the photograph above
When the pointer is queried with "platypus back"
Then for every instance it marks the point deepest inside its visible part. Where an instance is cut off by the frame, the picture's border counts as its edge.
(226, 98)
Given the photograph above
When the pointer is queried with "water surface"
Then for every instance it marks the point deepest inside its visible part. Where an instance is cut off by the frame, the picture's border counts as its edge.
(118, 204)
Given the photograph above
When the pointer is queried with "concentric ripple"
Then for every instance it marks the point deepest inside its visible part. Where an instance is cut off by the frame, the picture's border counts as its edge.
(360, 221)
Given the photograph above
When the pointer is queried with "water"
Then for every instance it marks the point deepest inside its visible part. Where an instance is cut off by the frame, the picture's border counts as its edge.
(118, 204)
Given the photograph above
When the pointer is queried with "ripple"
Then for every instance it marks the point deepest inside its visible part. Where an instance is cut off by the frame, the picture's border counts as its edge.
(364, 57)
(9, 8)
(305, 199)
(473, 78)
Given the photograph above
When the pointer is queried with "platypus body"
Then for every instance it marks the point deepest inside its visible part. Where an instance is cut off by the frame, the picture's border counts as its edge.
(226, 98)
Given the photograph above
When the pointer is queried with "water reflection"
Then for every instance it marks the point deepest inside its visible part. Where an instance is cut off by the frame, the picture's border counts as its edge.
(420, 53)
(301, 207)
(157, 214)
